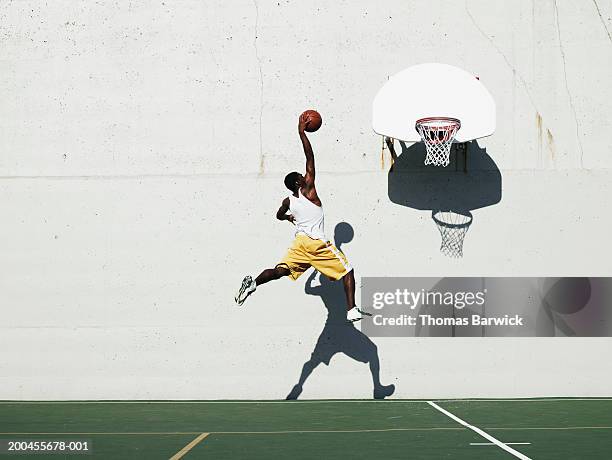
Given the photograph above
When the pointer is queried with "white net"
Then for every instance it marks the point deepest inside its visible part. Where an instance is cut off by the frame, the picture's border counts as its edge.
(438, 134)
(453, 227)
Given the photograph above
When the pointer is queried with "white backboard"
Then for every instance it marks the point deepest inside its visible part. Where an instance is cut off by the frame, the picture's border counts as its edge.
(433, 90)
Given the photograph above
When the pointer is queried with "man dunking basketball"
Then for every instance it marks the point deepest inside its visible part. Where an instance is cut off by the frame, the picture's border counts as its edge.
(310, 247)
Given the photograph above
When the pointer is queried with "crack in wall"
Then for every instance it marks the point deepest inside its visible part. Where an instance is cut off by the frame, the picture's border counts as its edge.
(603, 22)
(569, 95)
(505, 58)
(261, 88)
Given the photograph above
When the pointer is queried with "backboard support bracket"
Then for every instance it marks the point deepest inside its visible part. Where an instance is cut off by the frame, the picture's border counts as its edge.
(462, 147)
(391, 146)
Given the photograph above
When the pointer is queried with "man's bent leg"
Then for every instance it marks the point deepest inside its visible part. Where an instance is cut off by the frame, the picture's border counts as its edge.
(293, 264)
(349, 289)
(271, 274)
(353, 313)
(332, 262)
(249, 285)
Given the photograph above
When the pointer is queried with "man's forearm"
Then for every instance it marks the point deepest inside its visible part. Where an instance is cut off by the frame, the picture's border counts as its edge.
(284, 217)
(306, 145)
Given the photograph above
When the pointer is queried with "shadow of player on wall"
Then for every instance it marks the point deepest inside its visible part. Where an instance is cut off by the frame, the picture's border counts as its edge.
(563, 308)
(338, 336)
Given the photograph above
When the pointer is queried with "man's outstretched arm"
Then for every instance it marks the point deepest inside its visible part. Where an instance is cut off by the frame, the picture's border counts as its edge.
(309, 178)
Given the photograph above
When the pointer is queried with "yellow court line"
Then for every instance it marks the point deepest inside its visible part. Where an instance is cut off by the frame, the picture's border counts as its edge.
(181, 453)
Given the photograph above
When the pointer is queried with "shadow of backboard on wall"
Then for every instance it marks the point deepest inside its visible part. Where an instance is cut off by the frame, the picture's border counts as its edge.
(414, 185)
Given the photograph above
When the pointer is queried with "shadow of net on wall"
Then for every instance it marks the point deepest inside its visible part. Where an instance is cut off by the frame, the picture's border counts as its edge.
(471, 181)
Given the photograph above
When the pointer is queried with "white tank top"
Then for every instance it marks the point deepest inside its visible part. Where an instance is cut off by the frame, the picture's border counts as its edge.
(309, 218)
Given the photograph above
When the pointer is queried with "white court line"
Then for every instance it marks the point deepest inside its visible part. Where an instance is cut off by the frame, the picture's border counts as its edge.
(304, 401)
(477, 430)
(506, 443)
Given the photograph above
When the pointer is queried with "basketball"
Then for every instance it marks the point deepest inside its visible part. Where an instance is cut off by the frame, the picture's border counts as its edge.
(314, 120)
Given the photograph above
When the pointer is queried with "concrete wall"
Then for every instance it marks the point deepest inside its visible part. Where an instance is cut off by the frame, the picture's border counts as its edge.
(142, 151)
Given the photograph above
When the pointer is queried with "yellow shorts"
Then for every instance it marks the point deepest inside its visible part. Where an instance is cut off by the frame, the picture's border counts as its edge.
(324, 256)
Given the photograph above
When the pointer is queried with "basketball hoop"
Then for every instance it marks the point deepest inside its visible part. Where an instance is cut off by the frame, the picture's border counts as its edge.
(453, 227)
(438, 134)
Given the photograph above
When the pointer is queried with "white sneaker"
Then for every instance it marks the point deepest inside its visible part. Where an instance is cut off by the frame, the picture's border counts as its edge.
(246, 289)
(356, 314)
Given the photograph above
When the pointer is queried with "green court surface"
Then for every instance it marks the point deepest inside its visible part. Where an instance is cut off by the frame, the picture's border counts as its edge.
(454, 429)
